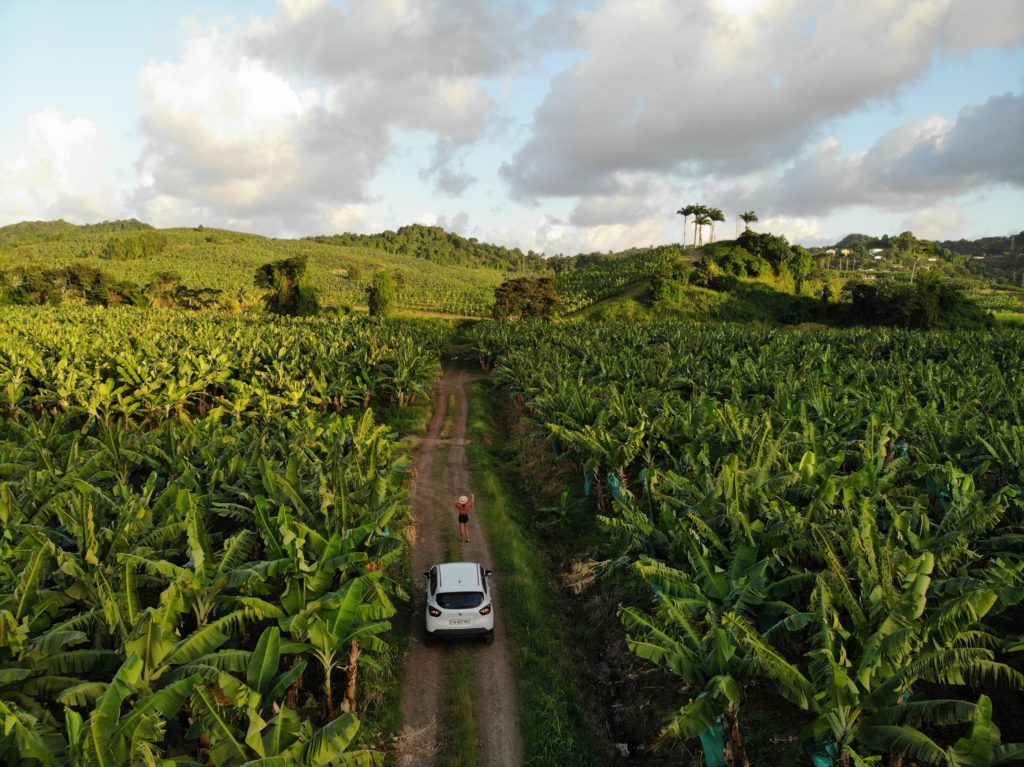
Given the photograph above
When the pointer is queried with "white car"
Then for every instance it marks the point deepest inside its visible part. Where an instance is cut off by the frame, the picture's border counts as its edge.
(459, 601)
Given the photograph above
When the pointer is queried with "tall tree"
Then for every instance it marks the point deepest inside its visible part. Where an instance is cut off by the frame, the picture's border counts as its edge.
(524, 297)
(748, 218)
(290, 289)
(715, 214)
(382, 295)
(701, 218)
(686, 211)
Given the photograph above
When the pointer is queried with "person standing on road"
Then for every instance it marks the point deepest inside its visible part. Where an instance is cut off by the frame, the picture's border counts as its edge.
(464, 505)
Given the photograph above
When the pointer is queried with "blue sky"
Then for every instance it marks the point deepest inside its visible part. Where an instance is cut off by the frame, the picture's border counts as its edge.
(559, 127)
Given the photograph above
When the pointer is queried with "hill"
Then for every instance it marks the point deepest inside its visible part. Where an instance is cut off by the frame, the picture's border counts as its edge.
(585, 279)
(341, 267)
(442, 272)
(434, 244)
(436, 271)
(50, 231)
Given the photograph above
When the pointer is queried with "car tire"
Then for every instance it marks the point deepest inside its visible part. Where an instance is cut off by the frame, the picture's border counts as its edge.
(489, 638)
(428, 639)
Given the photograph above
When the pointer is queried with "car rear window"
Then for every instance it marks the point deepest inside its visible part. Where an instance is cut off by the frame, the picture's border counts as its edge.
(459, 600)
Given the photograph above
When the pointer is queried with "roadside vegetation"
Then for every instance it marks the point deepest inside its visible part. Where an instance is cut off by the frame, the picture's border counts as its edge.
(557, 731)
(201, 546)
(831, 515)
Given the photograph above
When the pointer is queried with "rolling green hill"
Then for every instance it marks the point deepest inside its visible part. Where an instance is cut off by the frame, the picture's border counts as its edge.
(436, 271)
(226, 260)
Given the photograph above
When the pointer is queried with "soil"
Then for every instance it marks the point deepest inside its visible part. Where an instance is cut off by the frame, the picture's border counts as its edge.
(441, 476)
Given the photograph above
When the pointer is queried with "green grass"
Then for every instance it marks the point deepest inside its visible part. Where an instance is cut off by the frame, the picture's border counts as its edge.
(225, 260)
(631, 292)
(1012, 319)
(449, 422)
(459, 723)
(554, 719)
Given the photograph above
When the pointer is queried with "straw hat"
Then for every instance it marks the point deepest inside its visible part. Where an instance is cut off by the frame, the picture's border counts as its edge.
(463, 499)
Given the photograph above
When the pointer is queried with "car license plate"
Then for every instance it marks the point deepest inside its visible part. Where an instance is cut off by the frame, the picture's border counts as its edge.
(458, 621)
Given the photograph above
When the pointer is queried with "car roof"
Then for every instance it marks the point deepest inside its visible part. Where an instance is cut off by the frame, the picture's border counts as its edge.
(458, 576)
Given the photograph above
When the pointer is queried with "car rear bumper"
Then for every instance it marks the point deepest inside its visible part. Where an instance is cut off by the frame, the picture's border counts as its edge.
(478, 631)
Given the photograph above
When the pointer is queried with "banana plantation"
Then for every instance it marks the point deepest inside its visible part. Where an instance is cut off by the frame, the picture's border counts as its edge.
(201, 528)
(837, 516)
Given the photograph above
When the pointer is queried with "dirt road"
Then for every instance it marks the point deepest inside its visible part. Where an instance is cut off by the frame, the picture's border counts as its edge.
(442, 475)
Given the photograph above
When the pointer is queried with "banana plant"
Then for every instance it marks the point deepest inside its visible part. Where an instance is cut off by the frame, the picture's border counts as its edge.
(244, 722)
(873, 641)
(342, 624)
(689, 633)
(107, 735)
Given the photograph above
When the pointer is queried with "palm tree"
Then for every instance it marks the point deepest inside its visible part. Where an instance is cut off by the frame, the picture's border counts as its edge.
(701, 218)
(715, 214)
(748, 218)
(686, 211)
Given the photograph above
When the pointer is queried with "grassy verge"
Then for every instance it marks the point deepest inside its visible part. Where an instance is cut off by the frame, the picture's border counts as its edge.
(460, 748)
(1009, 318)
(554, 719)
(449, 422)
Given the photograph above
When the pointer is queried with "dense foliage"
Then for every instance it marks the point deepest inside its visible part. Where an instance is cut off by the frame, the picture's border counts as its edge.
(526, 297)
(433, 243)
(206, 259)
(753, 254)
(591, 278)
(929, 303)
(143, 245)
(42, 231)
(75, 284)
(289, 289)
(382, 295)
(200, 522)
(834, 513)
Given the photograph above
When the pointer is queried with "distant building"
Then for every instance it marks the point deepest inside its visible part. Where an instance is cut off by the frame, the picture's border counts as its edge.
(875, 250)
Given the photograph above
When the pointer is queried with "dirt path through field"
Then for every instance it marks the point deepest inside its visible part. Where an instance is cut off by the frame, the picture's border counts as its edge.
(442, 474)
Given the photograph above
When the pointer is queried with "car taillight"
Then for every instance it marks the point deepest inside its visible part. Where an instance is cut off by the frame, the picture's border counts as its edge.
(434, 612)
(485, 610)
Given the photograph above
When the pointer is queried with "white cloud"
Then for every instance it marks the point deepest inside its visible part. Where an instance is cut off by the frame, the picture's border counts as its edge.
(940, 222)
(724, 88)
(314, 119)
(229, 138)
(418, 66)
(62, 170)
(794, 229)
(917, 164)
(278, 124)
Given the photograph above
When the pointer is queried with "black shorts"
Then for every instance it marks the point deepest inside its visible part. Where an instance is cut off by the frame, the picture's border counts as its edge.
(463, 519)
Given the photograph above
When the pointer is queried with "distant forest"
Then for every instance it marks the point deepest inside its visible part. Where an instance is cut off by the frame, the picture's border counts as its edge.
(433, 243)
(986, 246)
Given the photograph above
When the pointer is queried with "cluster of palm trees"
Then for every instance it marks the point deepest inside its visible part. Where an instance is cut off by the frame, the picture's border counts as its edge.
(704, 215)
